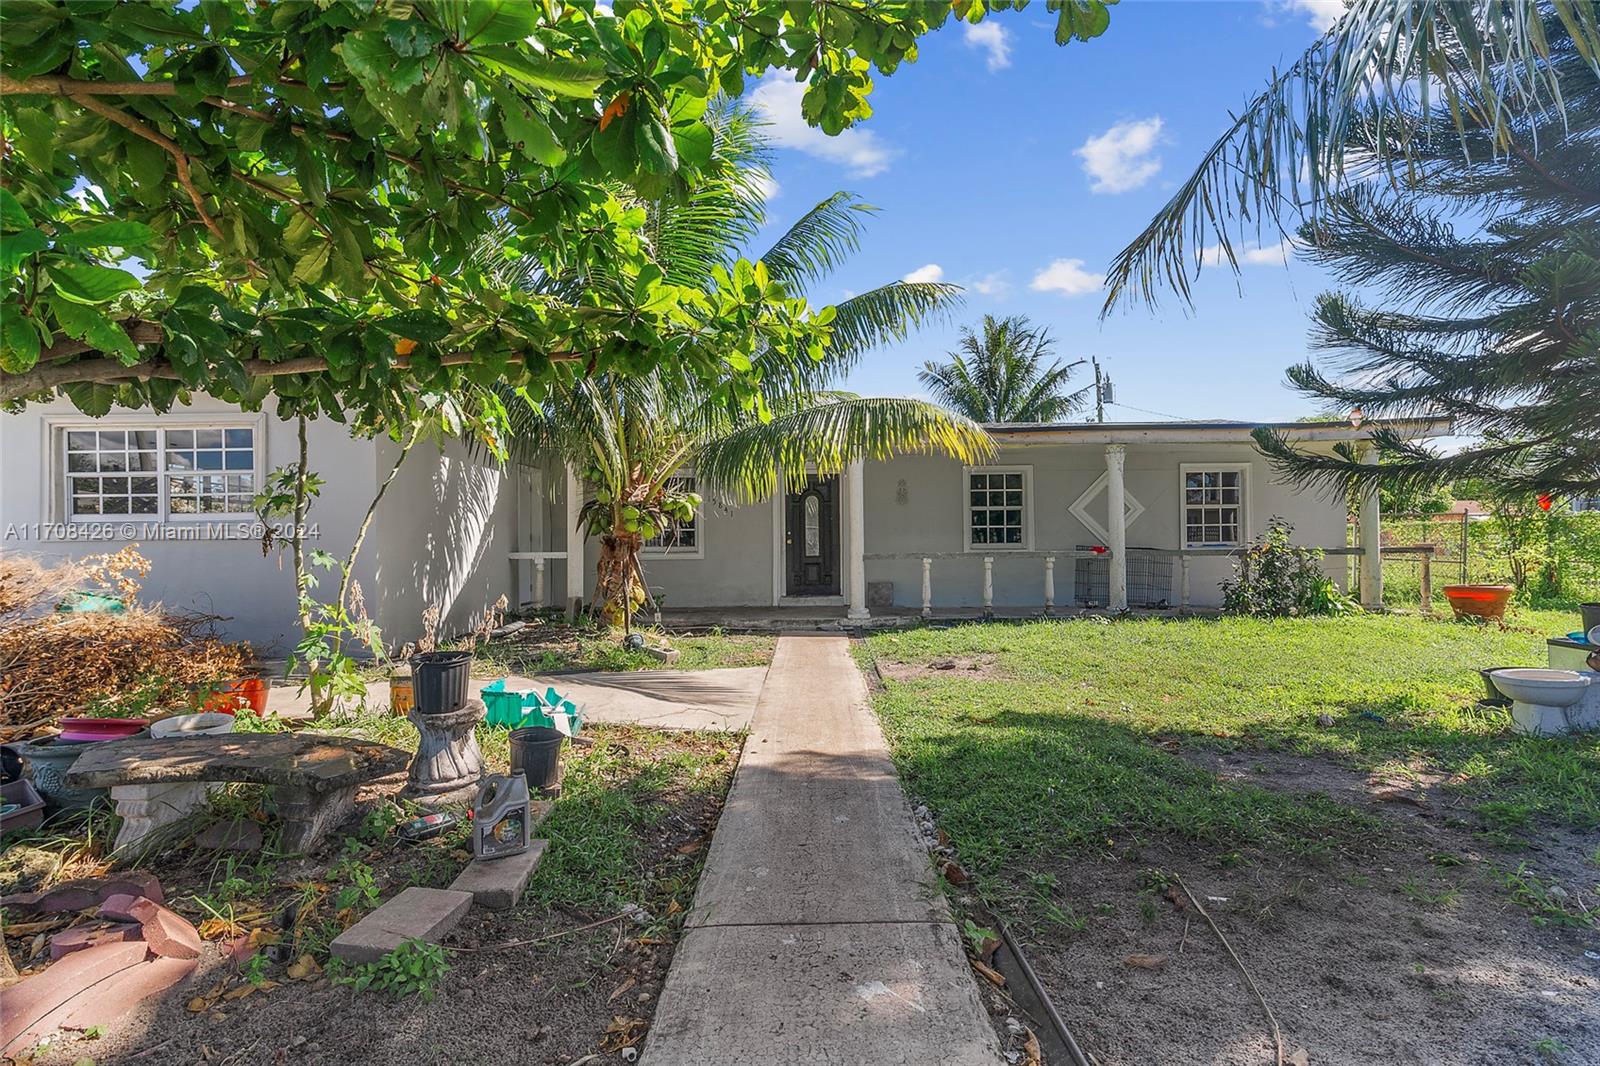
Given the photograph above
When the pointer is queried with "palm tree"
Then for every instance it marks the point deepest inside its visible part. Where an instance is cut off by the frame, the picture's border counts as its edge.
(1001, 376)
(632, 432)
(1480, 65)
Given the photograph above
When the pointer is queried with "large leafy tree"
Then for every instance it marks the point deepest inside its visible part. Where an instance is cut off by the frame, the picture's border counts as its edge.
(1003, 372)
(248, 197)
(631, 433)
(1478, 295)
(1478, 71)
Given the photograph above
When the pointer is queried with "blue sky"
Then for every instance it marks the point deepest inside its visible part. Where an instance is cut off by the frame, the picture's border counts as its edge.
(1017, 168)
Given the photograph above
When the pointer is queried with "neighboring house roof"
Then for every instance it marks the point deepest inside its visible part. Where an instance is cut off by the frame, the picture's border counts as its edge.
(1203, 432)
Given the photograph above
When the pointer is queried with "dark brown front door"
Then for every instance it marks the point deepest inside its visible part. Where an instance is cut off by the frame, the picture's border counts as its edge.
(811, 537)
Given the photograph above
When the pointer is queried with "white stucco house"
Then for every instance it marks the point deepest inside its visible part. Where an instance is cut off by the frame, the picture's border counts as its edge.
(1113, 515)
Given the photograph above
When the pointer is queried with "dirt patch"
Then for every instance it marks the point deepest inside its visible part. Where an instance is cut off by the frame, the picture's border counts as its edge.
(1418, 952)
(972, 666)
(548, 1002)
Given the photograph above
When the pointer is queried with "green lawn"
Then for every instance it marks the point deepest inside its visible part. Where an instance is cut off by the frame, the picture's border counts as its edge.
(1064, 738)
(550, 645)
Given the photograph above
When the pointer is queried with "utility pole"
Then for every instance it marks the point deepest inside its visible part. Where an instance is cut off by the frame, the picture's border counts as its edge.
(1099, 393)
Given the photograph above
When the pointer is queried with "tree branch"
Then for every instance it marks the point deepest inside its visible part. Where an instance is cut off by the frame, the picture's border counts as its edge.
(133, 125)
(50, 85)
(39, 379)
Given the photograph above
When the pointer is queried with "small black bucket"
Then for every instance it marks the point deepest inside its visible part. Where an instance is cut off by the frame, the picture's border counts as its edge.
(439, 681)
(536, 755)
(1494, 695)
(1590, 613)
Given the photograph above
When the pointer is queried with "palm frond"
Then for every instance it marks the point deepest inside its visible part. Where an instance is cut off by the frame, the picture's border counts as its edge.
(819, 242)
(746, 464)
(1291, 147)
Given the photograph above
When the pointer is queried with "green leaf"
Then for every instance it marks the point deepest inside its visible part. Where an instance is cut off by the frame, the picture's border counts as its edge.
(312, 265)
(115, 234)
(489, 22)
(95, 327)
(565, 77)
(12, 214)
(92, 398)
(694, 144)
(86, 283)
(17, 247)
(529, 132)
(422, 326)
(19, 342)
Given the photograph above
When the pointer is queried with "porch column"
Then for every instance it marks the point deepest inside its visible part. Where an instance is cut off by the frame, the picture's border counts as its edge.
(1371, 552)
(575, 567)
(856, 480)
(1117, 526)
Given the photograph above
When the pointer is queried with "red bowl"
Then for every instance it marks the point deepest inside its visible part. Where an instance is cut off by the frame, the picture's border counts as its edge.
(84, 729)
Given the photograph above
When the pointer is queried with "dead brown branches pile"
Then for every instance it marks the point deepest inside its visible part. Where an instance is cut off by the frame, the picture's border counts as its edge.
(53, 662)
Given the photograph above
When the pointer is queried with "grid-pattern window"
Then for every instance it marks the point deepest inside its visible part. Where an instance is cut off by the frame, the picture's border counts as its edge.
(996, 509)
(160, 472)
(112, 472)
(681, 536)
(1213, 503)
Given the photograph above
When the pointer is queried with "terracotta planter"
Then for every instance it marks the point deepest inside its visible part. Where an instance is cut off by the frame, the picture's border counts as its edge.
(88, 729)
(1487, 602)
(248, 692)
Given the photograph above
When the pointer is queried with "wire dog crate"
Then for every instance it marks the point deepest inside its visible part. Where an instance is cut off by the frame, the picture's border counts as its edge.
(1149, 579)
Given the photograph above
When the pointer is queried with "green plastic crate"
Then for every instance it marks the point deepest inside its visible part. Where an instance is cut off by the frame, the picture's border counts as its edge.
(515, 708)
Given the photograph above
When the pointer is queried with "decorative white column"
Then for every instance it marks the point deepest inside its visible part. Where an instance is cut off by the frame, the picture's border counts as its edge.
(856, 477)
(988, 586)
(927, 587)
(538, 583)
(575, 565)
(1117, 526)
(1371, 552)
(1049, 584)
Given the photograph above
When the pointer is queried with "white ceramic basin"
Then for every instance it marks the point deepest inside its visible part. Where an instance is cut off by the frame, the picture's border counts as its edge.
(1547, 688)
(208, 723)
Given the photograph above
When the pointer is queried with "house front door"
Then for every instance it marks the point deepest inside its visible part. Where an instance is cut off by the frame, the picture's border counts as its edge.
(811, 538)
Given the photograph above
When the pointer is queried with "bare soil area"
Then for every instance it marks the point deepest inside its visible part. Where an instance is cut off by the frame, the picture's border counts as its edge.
(545, 983)
(1430, 950)
(970, 666)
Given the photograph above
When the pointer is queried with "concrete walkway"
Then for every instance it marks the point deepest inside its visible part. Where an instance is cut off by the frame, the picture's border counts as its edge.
(818, 934)
(661, 699)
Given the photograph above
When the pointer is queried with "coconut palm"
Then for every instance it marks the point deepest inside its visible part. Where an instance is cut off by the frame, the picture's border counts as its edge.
(1478, 65)
(999, 375)
(631, 433)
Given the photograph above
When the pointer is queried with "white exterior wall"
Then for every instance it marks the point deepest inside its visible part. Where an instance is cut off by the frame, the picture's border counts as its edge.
(441, 534)
(917, 504)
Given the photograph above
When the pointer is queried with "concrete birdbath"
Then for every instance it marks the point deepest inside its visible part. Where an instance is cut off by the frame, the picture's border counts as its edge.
(448, 762)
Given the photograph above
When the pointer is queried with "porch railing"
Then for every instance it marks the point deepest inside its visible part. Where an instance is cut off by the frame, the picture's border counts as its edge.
(539, 559)
(1184, 556)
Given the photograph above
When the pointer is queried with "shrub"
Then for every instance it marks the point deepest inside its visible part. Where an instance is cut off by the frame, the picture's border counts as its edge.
(1275, 577)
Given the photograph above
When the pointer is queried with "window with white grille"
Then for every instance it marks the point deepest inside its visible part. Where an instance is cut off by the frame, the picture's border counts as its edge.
(997, 508)
(679, 538)
(1213, 506)
(159, 472)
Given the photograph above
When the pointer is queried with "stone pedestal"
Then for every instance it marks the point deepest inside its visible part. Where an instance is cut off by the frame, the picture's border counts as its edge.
(448, 762)
(147, 809)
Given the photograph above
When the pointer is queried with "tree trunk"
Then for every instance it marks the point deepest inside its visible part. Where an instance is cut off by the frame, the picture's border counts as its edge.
(297, 534)
(617, 575)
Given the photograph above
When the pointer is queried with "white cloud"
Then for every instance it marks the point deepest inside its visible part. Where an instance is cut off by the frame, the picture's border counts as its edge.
(766, 185)
(1067, 277)
(1321, 14)
(997, 283)
(777, 100)
(1271, 255)
(929, 272)
(1123, 157)
(991, 38)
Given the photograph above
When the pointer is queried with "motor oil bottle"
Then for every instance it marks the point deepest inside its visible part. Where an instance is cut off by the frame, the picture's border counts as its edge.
(501, 817)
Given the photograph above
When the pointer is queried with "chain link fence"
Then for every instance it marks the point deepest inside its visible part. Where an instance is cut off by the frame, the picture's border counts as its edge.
(1553, 557)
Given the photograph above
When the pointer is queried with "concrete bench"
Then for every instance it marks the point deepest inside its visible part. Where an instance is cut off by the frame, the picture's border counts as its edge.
(158, 782)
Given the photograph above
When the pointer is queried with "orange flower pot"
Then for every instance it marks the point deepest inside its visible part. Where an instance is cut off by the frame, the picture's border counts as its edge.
(248, 692)
(1487, 602)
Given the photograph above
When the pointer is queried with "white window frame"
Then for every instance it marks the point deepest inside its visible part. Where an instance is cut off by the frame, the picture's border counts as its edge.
(1027, 509)
(1245, 493)
(56, 430)
(659, 551)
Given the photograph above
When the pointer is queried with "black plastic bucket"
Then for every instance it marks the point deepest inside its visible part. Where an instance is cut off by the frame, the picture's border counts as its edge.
(439, 680)
(536, 755)
(1590, 613)
(1494, 695)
